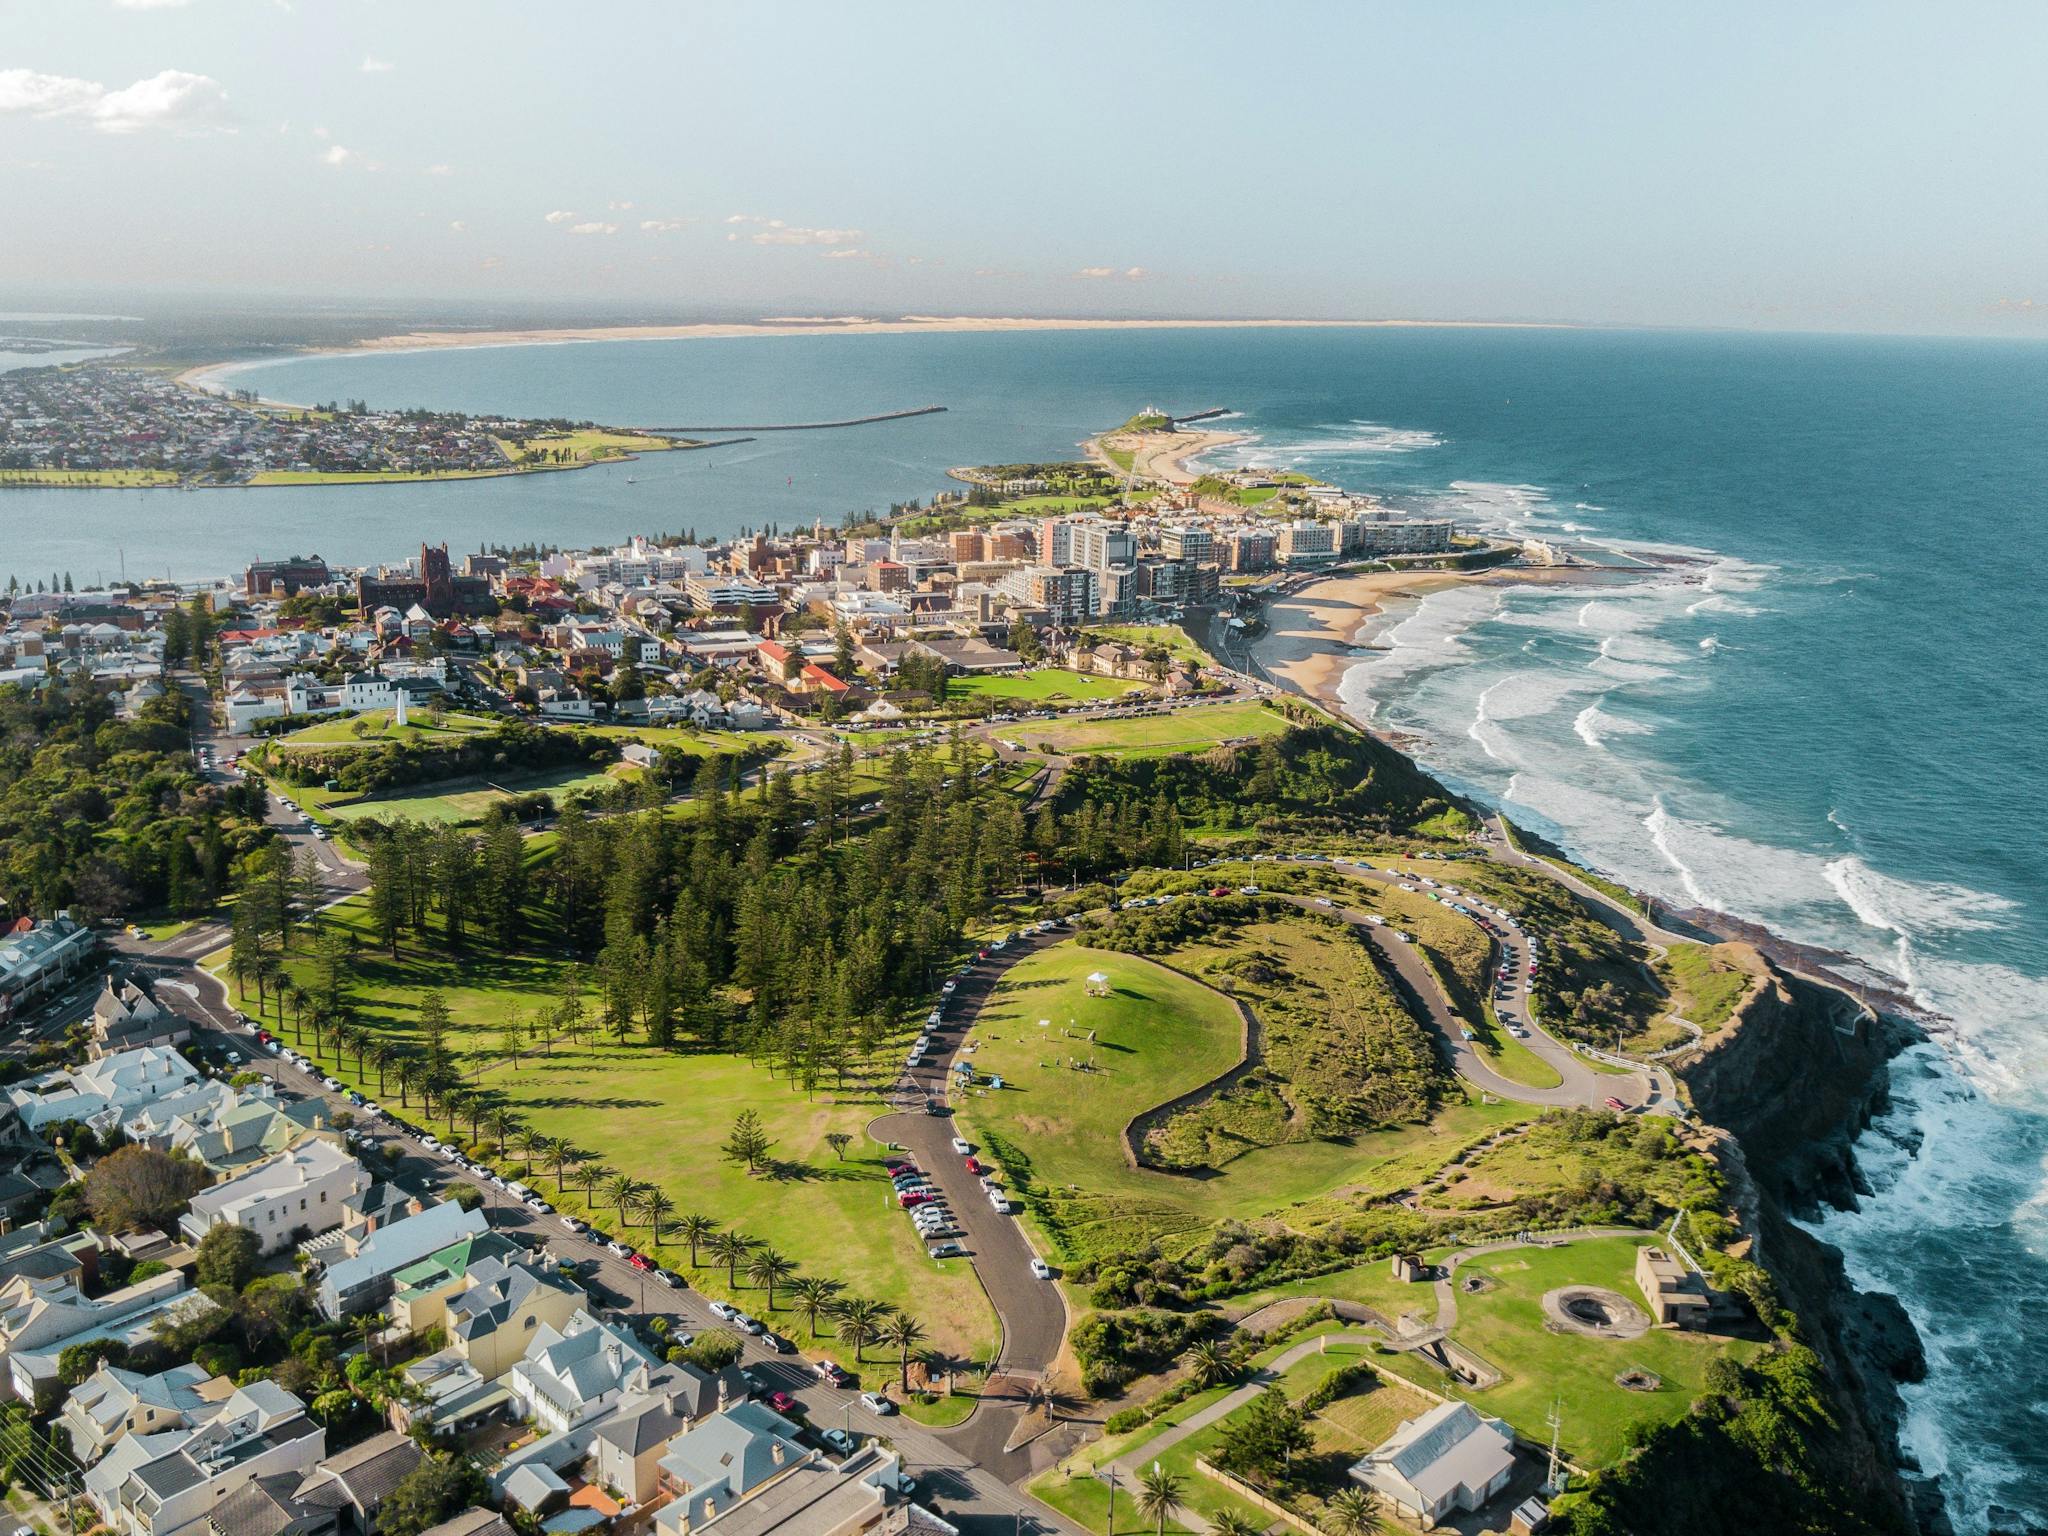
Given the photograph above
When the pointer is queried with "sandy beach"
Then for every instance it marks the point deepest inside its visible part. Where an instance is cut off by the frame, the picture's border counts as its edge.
(1312, 636)
(1162, 456)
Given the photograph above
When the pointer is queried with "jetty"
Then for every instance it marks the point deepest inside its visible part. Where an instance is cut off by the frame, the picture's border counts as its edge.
(806, 426)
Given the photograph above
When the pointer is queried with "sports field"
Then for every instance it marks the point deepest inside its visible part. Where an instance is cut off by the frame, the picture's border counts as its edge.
(1179, 729)
(1046, 685)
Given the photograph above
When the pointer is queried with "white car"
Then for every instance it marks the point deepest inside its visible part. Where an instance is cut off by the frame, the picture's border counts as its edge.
(874, 1402)
(962, 1145)
(572, 1224)
(724, 1311)
(1041, 1269)
(746, 1324)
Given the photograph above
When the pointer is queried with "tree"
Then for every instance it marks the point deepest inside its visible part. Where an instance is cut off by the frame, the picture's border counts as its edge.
(1233, 1522)
(748, 1143)
(902, 1333)
(656, 1207)
(814, 1296)
(1262, 1441)
(838, 1141)
(136, 1186)
(619, 1190)
(728, 1248)
(227, 1256)
(858, 1320)
(694, 1229)
(770, 1269)
(558, 1157)
(531, 1144)
(1158, 1494)
(712, 1350)
(1208, 1364)
(432, 1491)
(1353, 1511)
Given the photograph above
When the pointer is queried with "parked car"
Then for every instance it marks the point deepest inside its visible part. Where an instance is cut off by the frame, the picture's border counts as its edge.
(947, 1250)
(641, 1262)
(747, 1325)
(837, 1441)
(724, 1311)
(874, 1402)
(669, 1278)
(974, 1165)
(782, 1403)
(1041, 1269)
(962, 1145)
(826, 1370)
(777, 1342)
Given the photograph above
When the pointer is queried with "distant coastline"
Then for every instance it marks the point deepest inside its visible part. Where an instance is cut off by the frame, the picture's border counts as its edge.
(836, 325)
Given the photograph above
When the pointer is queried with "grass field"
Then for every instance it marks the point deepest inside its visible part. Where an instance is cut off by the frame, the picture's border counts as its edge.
(369, 476)
(659, 1116)
(1506, 1325)
(89, 479)
(1045, 685)
(1707, 981)
(1175, 639)
(375, 728)
(587, 445)
(1178, 730)
(450, 800)
(1160, 1034)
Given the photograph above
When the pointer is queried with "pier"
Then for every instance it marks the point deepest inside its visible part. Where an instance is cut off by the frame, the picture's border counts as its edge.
(806, 426)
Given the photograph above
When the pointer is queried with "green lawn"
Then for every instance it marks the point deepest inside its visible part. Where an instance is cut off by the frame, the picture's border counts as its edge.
(449, 800)
(1160, 1034)
(375, 729)
(1506, 1326)
(1706, 981)
(1045, 685)
(659, 1116)
(1145, 636)
(1178, 730)
(89, 479)
(678, 738)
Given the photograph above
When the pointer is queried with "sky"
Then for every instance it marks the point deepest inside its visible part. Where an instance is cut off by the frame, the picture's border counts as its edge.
(1867, 167)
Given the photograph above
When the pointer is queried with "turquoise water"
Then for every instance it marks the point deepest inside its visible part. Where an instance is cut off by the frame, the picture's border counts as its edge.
(1826, 717)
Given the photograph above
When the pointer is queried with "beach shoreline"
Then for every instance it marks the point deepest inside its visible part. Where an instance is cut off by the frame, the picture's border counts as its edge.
(820, 325)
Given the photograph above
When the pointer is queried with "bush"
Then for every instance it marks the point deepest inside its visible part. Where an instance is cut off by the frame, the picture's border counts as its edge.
(227, 1256)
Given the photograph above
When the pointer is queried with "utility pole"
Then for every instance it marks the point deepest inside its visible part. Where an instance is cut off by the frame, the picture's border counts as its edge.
(1553, 1484)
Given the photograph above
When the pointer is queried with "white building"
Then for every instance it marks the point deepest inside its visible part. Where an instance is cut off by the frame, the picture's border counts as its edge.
(573, 1373)
(105, 1092)
(283, 1200)
(153, 1485)
(1449, 1459)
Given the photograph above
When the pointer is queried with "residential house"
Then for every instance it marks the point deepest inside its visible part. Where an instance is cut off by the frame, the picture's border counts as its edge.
(157, 1484)
(40, 1319)
(112, 1403)
(251, 1126)
(361, 1281)
(38, 958)
(861, 1496)
(356, 1482)
(103, 1093)
(572, 1373)
(722, 1462)
(1448, 1460)
(493, 1309)
(284, 1200)
(126, 1017)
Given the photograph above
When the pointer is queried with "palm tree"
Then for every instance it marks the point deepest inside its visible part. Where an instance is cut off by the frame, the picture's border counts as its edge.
(1158, 1492)
(412, 1074)
(728, 1248)
(656, 1207)
(559, 1157)
(903, 1333)
(1351, 1511)
(769, 1268)
(500, 1122)
(619, 1190)
(857, 1320)
(592, 1174)
(695, 1228)
(453, 1101)
(1208, 1364)
(383, 1057)
(1235, 1522)
(814, 1295)
(531, 1143)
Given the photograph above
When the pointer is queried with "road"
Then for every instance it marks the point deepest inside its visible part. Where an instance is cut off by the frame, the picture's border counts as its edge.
(970, 1494)
(1032, 1314)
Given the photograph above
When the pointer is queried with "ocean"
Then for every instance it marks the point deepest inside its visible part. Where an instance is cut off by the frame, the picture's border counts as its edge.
(1826, 717)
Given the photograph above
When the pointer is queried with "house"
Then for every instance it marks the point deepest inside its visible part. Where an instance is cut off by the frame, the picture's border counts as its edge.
(471, 1522)
(248, 1127)
(156, 1484)
(106, 1092)
(861, 1496)
(42, 1250)
(362, 1280)
(722, 1462)
(125, 1016)
(493, 1309)
(379, 1206)
(268, 1506)
(969, 654)
(570, 1374)
(1675, 1293)
(1449, 1459)
(356, 1482)
(284, 1200)
(38, 958)
(112, 1403)
(40, 1319)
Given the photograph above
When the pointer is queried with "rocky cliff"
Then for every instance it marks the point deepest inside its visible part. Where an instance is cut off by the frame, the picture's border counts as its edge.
(1794, 1077)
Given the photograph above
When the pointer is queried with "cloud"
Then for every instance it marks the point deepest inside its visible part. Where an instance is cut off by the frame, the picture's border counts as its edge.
(561, 216)
(336, 155)
(457, 225)
(372, 65)
(438, 170)
(171, 98)
(849, 253)
(593, 227)
(662, 226)
(491, 261)
(619, 207)
(776, 232)
(1129, 274)
(148, 5)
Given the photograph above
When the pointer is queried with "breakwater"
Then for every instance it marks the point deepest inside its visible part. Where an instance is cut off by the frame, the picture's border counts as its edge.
(809, 426)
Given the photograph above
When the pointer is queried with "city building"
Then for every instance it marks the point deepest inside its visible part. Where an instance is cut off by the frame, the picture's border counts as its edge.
(1305, 542)
(36, 959)
(284, 1200)
(284, 578)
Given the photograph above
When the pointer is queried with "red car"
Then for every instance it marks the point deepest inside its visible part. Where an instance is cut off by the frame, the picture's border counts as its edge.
(782, 1402)
(1617, 1106)
(974, 1165)
(1219, 890)
(912, 1197)
(639, 1261)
